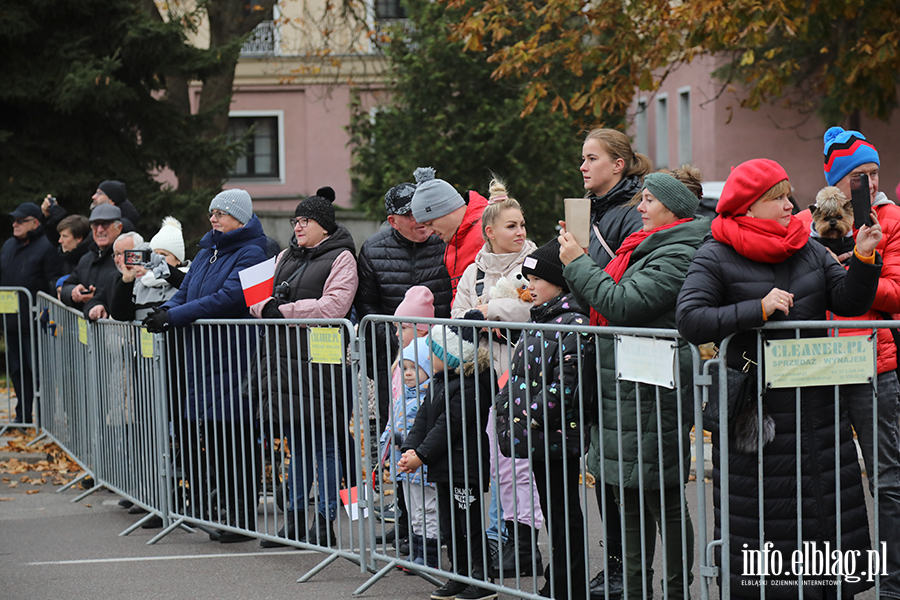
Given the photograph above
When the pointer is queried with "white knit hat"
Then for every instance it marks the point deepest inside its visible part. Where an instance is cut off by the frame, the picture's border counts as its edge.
(169, 238)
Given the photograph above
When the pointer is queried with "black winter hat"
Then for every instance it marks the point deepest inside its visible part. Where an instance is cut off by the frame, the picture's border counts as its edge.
(115, 190)
(544, 263)
(319, 208)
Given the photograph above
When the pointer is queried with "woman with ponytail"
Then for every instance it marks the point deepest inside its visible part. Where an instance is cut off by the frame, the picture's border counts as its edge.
(645, 440)
(505, 249)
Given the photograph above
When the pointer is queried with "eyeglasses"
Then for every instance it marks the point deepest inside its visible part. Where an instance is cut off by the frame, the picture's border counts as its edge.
(218, 214)
(301, 221)
(102, 224)
(23, 220)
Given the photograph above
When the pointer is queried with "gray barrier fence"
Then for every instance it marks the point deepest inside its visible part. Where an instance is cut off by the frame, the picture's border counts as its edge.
(17, 400)
(254, 429)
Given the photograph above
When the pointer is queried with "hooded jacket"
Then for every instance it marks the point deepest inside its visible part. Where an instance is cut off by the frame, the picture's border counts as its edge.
(216, 356)
(612, 216)
(539, 410)
(467, 395)
(887, 298)
(467, 241)
(645, 296)
(514, 310)
(32, 263)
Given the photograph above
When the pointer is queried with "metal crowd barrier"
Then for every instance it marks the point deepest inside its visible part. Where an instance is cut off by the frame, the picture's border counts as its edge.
(578, 554)
(19, 359)
(250, 428)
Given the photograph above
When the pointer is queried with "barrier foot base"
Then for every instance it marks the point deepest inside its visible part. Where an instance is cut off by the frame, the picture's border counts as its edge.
(375, 578)
(312, 572)
(143, 520)
(73, 482)
(36, 440)
(83, 495)
(175, 524)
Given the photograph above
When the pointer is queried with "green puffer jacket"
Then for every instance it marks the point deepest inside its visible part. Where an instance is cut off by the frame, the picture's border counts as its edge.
(645, 297)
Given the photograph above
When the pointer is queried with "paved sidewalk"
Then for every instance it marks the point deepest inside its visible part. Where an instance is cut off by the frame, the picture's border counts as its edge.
(53, 549)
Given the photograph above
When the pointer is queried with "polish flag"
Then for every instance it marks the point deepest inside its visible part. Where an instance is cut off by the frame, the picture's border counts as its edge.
(257, 281)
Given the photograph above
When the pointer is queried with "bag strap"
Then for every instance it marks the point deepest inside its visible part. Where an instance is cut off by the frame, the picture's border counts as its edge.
(479, 283)
(602, 241)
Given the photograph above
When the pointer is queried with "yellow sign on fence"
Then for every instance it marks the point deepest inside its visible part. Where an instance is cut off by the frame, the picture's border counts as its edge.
(819, 361)
(9, 303)
(325, 345)
(146, 343)
(82, 331)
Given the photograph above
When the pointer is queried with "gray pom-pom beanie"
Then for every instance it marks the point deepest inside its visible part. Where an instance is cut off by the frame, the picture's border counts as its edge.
(433, 198)
(236, 203)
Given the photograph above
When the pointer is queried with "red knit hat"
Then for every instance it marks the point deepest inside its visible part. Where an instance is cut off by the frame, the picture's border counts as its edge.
(747, 183)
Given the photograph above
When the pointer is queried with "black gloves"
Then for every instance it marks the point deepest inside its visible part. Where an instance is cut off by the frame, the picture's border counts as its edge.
(270, 310)
(157, 321)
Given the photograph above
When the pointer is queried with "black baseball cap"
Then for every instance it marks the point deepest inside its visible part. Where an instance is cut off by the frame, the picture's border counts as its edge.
(398, 200)
(26, 209)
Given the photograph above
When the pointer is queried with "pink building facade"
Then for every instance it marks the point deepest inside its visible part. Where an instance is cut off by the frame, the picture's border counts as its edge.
(685, 122)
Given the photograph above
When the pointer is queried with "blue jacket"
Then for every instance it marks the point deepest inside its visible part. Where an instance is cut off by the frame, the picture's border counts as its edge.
(212, 290)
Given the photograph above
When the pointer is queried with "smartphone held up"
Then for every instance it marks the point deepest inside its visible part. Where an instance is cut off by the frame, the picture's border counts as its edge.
(860, 200)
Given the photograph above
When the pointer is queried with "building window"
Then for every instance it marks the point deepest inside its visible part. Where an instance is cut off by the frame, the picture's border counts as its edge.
(684, 126)
(261, 159)
(662, 132)
(640, 128)
(389, 9)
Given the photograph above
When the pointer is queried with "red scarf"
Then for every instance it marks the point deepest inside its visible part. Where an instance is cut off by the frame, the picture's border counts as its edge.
(761, 240)
(618, 265)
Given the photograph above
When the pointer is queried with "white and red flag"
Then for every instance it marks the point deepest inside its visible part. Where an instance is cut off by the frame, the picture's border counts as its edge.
(257, 281)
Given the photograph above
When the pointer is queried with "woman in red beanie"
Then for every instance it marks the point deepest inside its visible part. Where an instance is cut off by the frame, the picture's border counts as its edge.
(760, 267)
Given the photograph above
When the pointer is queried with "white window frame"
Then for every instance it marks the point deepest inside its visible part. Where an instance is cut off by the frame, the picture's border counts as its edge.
(685, 134)
(662, 132)
(279, 114)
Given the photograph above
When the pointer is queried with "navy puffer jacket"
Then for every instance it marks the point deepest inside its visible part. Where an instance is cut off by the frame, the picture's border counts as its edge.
(217, 356)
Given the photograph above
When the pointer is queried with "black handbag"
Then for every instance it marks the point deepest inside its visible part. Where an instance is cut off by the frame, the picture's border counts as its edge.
(742, 416)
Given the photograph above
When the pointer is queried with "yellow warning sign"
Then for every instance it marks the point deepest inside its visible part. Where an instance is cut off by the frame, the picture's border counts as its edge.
(325, 345)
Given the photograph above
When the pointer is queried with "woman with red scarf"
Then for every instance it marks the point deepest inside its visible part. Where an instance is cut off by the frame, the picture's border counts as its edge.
(643, 450)
(759, 267)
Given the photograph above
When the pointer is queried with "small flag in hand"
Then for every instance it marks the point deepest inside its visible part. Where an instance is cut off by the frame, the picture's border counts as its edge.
(257, 281)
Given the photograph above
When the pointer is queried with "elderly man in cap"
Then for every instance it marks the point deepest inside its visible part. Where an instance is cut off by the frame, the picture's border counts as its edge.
(30, 261)
(390, 262)
(98, 264)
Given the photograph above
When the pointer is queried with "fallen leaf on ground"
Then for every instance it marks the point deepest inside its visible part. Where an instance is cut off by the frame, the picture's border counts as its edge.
(32, 491)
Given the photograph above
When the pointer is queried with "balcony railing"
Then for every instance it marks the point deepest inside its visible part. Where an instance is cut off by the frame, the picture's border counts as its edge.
(262, 40)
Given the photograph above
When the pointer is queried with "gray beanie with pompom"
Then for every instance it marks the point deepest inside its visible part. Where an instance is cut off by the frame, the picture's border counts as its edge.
(434, 198)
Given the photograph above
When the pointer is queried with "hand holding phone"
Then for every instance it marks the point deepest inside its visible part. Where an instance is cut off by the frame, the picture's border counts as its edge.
(860, 200)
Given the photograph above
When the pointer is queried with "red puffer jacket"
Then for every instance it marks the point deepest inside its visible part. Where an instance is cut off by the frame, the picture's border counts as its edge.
(887, 298)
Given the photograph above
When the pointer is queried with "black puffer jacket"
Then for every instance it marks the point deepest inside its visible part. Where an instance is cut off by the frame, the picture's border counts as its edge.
(721, 296)
(470, 395)
(616, 220)
(388, 265)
